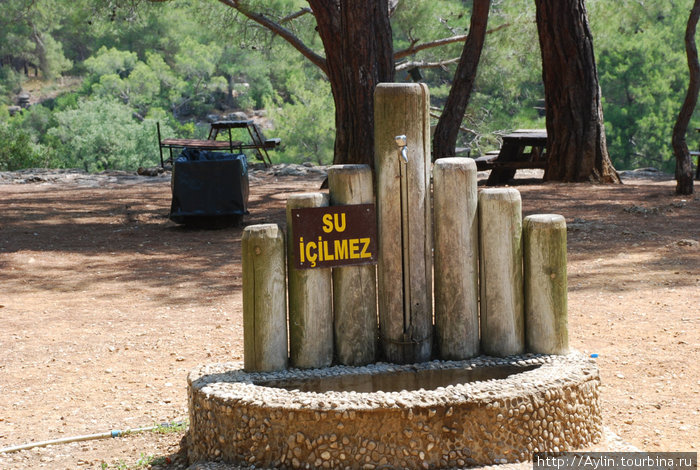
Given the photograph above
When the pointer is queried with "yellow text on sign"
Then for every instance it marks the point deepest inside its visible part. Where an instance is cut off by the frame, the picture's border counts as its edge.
(331, 222)
(334, 236)
(334, 250)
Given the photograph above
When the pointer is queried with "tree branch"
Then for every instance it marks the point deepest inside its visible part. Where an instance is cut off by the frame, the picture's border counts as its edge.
(413, 48)
(498, 28)
(426, 65)
(281, 31)
(296, 15)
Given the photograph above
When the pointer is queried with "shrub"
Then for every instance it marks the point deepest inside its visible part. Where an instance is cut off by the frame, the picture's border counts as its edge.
(102, 134)
(17, 151)
(306, 124)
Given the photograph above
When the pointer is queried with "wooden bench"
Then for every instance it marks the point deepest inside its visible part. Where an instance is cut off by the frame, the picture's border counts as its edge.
(258, 142)
(696, 154)
(514, 155)
(486, 161)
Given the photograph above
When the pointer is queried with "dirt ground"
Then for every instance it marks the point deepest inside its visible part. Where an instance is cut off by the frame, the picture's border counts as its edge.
(106, 305)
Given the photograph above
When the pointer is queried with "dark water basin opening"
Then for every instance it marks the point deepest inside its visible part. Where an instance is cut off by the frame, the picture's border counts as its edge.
(398, 380)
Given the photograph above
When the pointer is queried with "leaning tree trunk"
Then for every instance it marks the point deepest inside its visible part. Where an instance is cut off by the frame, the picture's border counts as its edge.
(684, 167)
(40, 51)
(576, 135)
(357, 39)
(448, 125)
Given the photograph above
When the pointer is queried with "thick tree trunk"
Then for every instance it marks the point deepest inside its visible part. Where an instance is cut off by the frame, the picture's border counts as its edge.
(357, 39)
(576, 135)
(447, 128)
(684, 167)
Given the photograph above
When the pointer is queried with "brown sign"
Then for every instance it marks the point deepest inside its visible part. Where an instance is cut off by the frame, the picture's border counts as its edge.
(325, 237)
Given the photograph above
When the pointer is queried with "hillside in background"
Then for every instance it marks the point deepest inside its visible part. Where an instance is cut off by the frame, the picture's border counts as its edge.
(98, 79)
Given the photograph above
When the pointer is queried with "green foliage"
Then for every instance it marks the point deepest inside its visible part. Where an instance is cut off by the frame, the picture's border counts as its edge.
(26, 36)
(55, 61)
(172, 427)
(248, 75)
(10, 83)
(101, 134)
(65, 101)
(17, 150)
(143, 86)
(508, 85)
(305, 123)
(110, 62)
(36, 121)
(427, 20)
(196, 64)
(179, 61)
(643, 76)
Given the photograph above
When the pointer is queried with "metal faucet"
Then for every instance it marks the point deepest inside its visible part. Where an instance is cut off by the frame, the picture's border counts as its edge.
(401, 142)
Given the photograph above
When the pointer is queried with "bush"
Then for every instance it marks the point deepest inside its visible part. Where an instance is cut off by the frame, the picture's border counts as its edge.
(111, 61)
(17, 151)
(102, 134)
(306, 124)
(10, 83)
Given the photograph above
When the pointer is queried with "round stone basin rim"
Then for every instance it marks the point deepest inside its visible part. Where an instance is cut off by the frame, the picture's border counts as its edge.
(229, 384)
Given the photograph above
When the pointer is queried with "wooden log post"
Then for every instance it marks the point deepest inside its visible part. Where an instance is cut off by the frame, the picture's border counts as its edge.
(354, 287)
(501, 272)
(264, 298)
(544, 255)
(404, 271)
(455, 222)
(310, 300)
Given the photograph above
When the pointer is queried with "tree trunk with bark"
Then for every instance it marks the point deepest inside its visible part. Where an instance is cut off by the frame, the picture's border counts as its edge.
(684, 167)
(40, 51)
(576, 134)
(447, 127)
(357, 39)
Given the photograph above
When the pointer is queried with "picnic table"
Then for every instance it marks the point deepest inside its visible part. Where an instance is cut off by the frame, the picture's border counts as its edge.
(522, 148)
(696, 154)
(258, 142)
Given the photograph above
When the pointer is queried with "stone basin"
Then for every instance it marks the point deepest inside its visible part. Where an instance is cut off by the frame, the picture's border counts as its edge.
(439, 414)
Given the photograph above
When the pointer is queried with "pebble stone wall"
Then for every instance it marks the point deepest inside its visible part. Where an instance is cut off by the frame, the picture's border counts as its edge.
(551, 406)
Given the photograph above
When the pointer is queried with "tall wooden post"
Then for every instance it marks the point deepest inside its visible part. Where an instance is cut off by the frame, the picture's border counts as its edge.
(310, 300)
(264, 298)
(455, 223)
(354, 287)
(544, 249)
(404, 271)
(501, 272)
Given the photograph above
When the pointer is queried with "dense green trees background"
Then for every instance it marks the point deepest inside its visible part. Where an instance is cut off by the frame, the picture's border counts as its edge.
(105, 76)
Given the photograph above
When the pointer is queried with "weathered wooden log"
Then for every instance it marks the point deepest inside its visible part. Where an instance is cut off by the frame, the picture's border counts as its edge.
(264, 298)
(455, 222)
(404, 271)
(544, 260)
(501, 272)
(310, 300)
(354, 287)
